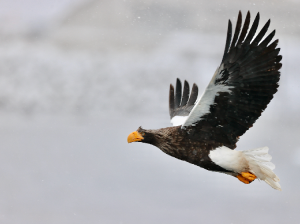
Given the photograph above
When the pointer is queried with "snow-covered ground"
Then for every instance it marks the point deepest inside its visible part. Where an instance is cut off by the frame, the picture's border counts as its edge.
(66, 111)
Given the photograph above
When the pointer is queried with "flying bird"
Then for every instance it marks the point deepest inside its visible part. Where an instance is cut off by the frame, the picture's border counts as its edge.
(207, 127)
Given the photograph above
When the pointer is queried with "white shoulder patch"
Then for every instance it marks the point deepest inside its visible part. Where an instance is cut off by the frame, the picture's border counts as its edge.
(202, 105)
(178, 120)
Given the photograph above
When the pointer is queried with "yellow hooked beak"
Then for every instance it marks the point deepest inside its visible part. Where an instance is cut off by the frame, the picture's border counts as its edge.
(134, 137)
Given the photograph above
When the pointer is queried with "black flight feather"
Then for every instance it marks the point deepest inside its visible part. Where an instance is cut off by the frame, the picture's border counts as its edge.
(186, 94)
(178, 93)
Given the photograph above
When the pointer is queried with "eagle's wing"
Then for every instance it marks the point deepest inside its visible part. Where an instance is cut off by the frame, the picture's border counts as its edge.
(181, 104)
(241, 87)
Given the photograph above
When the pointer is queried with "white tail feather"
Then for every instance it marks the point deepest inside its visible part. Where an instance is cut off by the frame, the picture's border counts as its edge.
(260, 164)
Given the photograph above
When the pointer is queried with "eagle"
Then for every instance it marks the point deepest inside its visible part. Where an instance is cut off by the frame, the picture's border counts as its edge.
(206, 127)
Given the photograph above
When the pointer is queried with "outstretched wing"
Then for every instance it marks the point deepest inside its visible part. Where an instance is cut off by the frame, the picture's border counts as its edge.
(181, 103)
(241, 87)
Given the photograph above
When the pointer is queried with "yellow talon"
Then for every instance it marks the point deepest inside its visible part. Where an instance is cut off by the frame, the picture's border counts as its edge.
(241, 178)
(249, 176)
(246, 177)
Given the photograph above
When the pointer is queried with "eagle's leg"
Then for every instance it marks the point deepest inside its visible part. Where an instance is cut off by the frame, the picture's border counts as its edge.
(246, 177)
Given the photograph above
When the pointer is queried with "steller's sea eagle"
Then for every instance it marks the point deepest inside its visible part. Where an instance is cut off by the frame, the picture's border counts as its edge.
(207, 127)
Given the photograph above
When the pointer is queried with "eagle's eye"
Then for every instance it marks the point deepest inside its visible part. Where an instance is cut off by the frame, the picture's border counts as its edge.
(143, 133)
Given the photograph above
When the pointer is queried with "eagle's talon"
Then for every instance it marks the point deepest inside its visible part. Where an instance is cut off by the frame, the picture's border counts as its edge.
(249, 176)
(246, 177)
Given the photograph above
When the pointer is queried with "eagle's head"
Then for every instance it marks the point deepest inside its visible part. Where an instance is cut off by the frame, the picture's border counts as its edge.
(141, 135)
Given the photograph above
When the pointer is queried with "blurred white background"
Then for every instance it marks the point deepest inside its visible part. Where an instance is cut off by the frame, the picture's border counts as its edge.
(76, 77)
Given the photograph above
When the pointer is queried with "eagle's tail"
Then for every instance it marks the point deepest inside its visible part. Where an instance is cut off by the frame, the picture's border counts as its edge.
(261, 166)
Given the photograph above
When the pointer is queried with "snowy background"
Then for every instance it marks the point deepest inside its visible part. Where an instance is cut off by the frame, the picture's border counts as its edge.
(76, 77)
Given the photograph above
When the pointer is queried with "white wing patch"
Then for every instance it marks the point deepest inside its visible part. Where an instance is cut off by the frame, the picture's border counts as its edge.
(202, 105)
(178, 120)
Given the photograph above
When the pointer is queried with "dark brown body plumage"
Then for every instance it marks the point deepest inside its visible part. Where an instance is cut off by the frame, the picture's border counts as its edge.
(181, 144)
